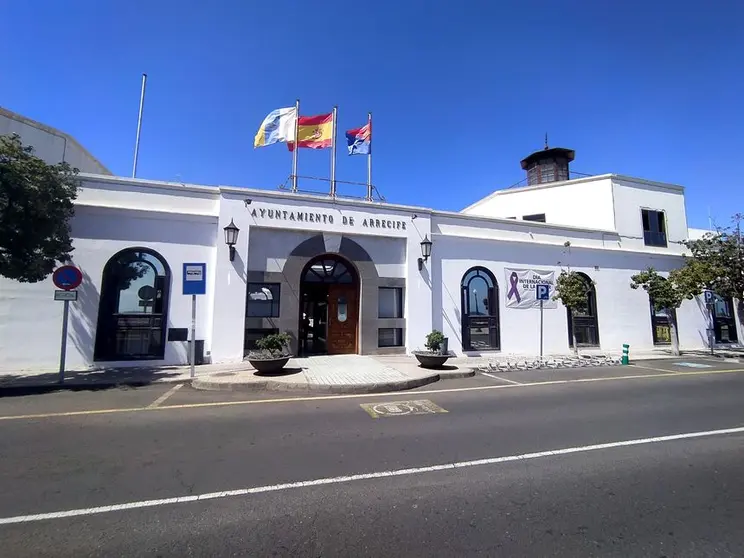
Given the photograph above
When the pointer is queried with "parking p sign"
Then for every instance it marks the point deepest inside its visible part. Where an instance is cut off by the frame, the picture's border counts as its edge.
(542, 292)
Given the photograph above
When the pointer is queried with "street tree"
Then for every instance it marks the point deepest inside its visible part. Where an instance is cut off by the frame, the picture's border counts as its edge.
(718, 262)
(36, 204)
(572, 289)
(666, 295)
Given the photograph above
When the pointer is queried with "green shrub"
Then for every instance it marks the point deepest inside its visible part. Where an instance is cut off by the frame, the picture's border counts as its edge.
(277, 343)
(434, 341)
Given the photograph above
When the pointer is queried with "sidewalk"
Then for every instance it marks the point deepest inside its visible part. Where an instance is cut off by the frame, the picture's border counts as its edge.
(331, 374)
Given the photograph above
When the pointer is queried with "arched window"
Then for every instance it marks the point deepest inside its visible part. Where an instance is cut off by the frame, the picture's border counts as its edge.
(584, 322)
(480, 310)
(133, 312)
(724, 322)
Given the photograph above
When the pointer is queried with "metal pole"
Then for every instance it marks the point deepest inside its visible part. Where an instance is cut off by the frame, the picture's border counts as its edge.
(192, 349)
(541, 329)
(369, 158)
(139, 125)
(333, 153)
(63, 348)
(296, 147)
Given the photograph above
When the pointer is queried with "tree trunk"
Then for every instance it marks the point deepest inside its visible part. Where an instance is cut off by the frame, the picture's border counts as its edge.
(673, 332)
(573, 335)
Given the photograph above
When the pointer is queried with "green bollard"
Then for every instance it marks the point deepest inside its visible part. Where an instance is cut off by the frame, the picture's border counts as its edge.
(626, 350)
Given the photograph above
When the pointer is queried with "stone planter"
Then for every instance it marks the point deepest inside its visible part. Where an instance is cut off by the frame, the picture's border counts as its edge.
(431, 360)
(269, 366)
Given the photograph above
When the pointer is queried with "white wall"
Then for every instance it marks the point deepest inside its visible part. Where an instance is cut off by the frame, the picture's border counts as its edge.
(49, 144)
(30, 320)
(623, 314)
(631, 197)
(584, 202)
(400, 236)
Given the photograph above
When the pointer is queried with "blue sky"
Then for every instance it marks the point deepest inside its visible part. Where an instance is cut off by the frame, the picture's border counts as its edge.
(460, 91)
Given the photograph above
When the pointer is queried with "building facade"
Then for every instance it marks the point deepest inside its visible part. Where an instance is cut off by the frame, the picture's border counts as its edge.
(346, 276)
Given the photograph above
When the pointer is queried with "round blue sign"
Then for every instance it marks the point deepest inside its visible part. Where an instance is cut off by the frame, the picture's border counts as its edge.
(67, 277)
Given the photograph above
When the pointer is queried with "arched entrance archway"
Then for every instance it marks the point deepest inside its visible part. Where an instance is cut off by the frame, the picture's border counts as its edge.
(329, 307)
(480, 310)
(133, 311)
(584, 321)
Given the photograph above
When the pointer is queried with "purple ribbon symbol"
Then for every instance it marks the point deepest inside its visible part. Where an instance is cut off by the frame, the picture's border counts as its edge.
(514, 281)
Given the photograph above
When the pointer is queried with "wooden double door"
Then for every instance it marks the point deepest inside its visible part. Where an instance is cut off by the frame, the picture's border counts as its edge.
(343, 319)
(329, 323)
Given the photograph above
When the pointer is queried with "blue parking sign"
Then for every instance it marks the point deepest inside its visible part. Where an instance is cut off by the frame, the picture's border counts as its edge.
(194, 278)
(542, 292)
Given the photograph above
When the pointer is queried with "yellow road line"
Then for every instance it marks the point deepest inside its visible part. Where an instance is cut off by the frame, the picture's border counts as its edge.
(408, 394)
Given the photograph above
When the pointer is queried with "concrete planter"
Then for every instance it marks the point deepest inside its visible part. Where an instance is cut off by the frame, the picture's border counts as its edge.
(269, 366)
(431, 360)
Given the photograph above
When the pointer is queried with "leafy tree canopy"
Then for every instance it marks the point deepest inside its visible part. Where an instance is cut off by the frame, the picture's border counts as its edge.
(572, 289)
(718, 260)
(36, 204)
(664, 293)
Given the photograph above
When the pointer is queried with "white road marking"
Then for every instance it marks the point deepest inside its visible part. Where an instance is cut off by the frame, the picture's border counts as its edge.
(360, 477)
(502, 379)
(165, 396)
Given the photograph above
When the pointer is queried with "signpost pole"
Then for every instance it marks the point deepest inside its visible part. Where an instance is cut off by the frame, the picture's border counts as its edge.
(192, 348)
(541, 329)
(63, 348)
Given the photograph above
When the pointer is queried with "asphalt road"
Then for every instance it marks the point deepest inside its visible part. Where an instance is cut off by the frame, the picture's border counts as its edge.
(652, 497)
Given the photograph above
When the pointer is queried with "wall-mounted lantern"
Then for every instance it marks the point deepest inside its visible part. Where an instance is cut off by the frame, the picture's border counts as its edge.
(425, 252)
(231, 238)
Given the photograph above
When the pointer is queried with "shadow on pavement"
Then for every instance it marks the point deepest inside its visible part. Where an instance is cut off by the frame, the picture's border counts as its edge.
(94, 380)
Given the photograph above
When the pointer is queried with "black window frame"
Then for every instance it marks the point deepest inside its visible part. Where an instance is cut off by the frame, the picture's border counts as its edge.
(400, 302)
(535, 217)
(654, 237)
(397, 332)
(113, 327)
(274, 304)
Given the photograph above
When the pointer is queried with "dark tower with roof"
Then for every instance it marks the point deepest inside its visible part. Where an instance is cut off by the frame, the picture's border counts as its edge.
(548, 165)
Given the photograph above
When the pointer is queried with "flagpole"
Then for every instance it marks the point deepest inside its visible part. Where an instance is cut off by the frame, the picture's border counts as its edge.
(369, 158)
(333, 153)
(139, 125)
(296, 147)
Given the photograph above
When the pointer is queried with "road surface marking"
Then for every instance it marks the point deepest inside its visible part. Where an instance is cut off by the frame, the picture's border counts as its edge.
(502, 379)
(652, 368)
(402, 408)
(666, 374)
(165, 396)
(361, 477)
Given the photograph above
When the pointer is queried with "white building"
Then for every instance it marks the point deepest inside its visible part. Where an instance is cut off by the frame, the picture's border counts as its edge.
(347, 276)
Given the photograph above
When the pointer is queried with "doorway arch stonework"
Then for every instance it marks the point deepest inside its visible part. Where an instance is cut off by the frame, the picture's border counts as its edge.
(369, 284)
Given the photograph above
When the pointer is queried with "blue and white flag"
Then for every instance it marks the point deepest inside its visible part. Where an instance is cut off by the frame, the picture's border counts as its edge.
(359, 140)
(278, 126)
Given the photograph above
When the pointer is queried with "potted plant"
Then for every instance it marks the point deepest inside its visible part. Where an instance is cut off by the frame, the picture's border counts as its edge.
(272, 354)
(435, 354)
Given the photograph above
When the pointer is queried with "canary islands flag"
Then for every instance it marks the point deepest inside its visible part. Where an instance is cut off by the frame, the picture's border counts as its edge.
(278, 126)
(314, 132)
(359, 140)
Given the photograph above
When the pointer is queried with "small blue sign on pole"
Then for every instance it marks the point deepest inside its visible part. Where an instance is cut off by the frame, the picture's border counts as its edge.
(708, 296)
(194, 278)
(542, 292)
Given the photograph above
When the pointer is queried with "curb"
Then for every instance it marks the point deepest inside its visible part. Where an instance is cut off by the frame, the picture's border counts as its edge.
(38, 389)
(272, 385)
(457, 374)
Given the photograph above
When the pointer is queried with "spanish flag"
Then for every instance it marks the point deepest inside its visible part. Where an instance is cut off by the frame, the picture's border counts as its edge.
(315, 132)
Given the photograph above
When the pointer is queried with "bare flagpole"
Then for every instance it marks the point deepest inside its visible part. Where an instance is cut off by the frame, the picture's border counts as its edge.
(296, 146)
(139, 125)
(369, 158)
(333, 153)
